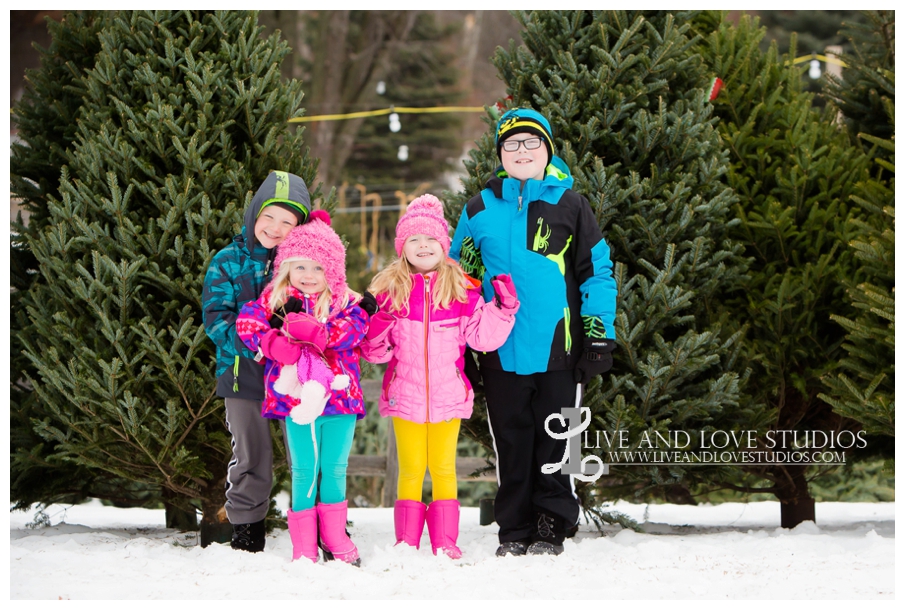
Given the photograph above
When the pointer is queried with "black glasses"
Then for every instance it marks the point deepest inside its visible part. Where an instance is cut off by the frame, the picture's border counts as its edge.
(513, 145)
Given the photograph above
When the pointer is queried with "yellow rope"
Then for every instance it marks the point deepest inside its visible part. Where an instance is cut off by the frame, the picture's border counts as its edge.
(824, 58)
(409, 110)
(383, 111)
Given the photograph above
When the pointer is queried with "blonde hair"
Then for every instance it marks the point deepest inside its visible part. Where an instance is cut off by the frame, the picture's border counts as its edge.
(396, 281)
(281, 283)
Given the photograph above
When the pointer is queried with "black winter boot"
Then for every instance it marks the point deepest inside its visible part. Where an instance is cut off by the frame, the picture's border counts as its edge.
(517, 548)
(248, 536)
(548, 539)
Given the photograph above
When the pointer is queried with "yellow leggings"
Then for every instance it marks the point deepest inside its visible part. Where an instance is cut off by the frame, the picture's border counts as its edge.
(432, 446)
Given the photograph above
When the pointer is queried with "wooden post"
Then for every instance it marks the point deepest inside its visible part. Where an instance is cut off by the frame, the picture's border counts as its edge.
(391, 478)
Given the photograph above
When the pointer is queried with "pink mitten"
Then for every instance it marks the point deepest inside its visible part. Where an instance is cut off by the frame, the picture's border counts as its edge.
(380, 324)
(305, 327)
(506, 297)
(279, 348)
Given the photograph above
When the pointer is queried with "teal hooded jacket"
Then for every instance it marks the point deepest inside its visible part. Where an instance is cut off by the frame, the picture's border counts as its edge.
(237, 274)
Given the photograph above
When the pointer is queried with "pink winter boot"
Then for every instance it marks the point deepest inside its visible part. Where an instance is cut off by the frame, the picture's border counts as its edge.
(303, 533)
(331, 519)
(443, 527)
(408, 516)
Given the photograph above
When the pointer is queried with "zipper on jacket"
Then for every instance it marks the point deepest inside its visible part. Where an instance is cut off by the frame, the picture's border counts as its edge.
(462, 381)
(519, 203)
(271, 255)
(568, 331)
(427, 383)
(386, 393)
(236, 375)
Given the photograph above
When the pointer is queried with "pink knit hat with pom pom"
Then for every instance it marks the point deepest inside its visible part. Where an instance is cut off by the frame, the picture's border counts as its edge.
(424, 216)
(316, 241)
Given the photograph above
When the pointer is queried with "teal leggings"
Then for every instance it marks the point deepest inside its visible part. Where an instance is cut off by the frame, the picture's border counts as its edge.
(327, 455)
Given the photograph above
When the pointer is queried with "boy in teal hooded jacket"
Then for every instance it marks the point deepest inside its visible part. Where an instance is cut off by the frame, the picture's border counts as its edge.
(236, 275)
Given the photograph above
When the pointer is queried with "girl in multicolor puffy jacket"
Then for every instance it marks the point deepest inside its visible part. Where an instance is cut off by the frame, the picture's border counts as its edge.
(428, 311)
(305, 318)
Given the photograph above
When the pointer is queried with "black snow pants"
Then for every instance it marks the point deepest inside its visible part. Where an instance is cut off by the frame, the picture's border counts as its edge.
(517, 406)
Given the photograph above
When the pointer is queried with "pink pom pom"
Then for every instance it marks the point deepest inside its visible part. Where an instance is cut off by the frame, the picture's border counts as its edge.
(321, 215)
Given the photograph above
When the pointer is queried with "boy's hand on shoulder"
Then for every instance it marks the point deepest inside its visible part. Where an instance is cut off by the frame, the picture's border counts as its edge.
(596, 359)
(305, 327)
(369, 303)
(380, 324)
(293, 305)
(279, 348)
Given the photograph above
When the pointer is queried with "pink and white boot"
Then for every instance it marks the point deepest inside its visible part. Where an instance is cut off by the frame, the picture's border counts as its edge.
(303, 533)
(331, 520)
(443, 527)
(408, 516)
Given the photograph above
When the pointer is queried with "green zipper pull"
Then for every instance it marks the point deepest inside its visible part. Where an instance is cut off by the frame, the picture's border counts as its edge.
(568, 315)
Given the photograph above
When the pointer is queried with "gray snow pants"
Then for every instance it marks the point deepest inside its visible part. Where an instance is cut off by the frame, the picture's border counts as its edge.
(249, 475)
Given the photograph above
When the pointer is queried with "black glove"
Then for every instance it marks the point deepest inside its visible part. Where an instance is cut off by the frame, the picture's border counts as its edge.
(596, 358)
(369, 303)
(292, 305)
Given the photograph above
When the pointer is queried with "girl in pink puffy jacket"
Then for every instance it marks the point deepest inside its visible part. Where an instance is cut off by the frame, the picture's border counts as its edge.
(428, 311)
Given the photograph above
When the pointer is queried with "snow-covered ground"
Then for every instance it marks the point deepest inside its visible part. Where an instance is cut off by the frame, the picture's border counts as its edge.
(728, 551)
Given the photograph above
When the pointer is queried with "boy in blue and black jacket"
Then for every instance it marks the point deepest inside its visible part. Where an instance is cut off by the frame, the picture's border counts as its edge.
(530, 224)
(236, 275)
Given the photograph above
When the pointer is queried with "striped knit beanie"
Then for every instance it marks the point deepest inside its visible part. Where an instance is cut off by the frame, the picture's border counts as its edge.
(524, 120)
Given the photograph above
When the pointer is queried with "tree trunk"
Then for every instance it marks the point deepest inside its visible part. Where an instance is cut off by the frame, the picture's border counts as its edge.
(178, 516)
(797, 505)
(213, 528)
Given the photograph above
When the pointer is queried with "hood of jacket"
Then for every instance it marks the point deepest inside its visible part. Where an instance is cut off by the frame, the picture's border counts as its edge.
(277, 187)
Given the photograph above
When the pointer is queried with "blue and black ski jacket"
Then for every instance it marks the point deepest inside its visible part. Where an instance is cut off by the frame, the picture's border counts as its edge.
(546, 237)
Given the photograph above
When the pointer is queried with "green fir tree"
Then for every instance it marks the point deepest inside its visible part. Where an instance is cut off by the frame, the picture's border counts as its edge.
(628, 102)
(423, 75)
(868, 78)
(814, 30)
(865, 391)
(46, 123)
(794, 170)
(184, 114)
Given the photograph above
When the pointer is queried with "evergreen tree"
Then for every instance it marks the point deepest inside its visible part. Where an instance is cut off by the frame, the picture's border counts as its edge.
(184, 114)
(814, 30)
(628, 102)
(794, 170)
(422, 75)
(866, 390)
(45, 119)
(868, 78)
(344, 55)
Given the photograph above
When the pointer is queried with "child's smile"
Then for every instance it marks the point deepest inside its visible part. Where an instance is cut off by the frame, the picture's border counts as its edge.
(273, 225)
(524, 164)
(307, 276)
(424, 253)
